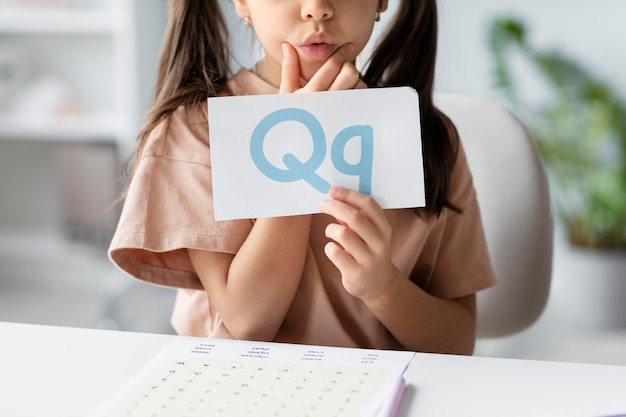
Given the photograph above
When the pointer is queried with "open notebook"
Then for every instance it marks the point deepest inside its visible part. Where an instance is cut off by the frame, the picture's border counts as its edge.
(215, 377)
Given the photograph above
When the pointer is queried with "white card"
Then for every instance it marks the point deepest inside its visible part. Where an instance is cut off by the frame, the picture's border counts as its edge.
(277, 155)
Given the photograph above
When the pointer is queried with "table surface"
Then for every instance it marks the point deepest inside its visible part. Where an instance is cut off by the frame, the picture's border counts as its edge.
(67, 372)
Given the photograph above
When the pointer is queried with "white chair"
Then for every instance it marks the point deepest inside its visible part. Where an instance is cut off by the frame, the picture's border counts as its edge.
(513, 194)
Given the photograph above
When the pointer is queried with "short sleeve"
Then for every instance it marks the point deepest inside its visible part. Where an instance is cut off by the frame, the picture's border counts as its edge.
(169, 206)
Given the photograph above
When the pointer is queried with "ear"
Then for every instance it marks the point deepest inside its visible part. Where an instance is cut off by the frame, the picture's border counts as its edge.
(382, 5)
(241, 8)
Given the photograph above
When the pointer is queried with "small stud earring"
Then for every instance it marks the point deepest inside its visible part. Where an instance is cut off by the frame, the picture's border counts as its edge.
(247, 22)
(377, 18)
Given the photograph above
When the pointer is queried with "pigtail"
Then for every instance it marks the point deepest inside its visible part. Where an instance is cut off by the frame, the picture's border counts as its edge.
(405, 56)
(194, 58)
(193, 63)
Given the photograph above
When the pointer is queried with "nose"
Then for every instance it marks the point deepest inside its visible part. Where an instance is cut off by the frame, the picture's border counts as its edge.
(317, 10)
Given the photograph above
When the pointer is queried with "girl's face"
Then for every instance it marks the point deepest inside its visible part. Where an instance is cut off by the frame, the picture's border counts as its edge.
(315, 28)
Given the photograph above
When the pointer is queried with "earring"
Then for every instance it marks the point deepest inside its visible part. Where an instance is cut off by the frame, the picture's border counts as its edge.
(247, 22)
(377, 18)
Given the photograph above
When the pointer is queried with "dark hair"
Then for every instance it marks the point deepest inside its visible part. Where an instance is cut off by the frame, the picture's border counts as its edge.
(405, 56)
(194, 65)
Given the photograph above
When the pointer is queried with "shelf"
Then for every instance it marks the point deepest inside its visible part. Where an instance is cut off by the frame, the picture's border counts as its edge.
(62, 142)
(57, 21)
(96, 129)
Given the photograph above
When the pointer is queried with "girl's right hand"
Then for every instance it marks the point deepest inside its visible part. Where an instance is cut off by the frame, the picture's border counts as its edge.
(337, 73)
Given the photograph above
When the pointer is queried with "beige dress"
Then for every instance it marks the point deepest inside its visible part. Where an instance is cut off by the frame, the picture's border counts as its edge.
(169, 208)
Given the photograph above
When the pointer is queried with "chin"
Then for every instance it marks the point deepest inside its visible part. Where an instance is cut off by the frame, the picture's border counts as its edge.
(309, 71)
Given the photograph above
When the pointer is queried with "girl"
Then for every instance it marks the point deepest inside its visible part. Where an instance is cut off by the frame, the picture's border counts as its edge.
(354, 275)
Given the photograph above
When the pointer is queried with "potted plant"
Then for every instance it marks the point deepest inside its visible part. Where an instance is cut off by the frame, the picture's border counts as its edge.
(579, 125)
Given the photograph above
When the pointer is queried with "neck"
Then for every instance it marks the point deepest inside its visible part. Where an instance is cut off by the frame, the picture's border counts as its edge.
(264, 70)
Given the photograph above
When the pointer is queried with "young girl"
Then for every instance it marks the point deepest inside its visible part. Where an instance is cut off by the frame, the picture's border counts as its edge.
(354, 275)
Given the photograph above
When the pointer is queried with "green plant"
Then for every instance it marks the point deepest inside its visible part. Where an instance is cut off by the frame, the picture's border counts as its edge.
(580, 131)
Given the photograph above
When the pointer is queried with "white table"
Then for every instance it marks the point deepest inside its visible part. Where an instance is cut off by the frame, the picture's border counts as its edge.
(65, 372)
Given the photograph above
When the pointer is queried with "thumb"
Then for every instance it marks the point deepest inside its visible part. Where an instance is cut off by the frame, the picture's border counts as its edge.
(290, 77)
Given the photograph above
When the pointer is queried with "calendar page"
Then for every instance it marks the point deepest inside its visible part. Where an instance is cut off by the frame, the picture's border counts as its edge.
(233, 378)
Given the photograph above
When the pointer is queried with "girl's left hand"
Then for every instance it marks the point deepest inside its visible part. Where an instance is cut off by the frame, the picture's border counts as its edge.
(361, 242)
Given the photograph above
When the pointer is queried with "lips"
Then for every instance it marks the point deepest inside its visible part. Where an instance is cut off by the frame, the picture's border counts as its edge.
(318, 51)
(318, 47)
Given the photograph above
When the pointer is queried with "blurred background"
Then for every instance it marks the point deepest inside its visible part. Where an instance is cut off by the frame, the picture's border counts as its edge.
(76, 76)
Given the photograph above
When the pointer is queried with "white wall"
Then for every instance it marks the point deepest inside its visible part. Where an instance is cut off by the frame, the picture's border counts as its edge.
(592, 32)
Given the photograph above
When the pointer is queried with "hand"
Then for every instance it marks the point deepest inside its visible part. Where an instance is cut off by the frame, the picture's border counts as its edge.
(361, 242)
(337, 73)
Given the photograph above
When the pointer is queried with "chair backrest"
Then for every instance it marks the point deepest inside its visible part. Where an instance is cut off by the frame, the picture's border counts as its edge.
(513, 195)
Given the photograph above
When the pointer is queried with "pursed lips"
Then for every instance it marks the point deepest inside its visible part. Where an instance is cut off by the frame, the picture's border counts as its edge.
(318, 47)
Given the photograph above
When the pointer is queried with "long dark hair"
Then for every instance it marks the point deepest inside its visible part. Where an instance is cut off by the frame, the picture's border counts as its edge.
(194, 65)
(406, 55)
(194, 61)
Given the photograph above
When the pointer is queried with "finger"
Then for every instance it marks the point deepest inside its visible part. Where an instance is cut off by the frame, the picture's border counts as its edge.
(290, 76)
(348, 78)
(353, 219)
(325, 76)
(363, 202)
(340, 258)
(345, 237)
(360, 84)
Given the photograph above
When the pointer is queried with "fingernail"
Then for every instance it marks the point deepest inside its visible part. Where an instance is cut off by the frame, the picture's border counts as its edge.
(335, 191)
